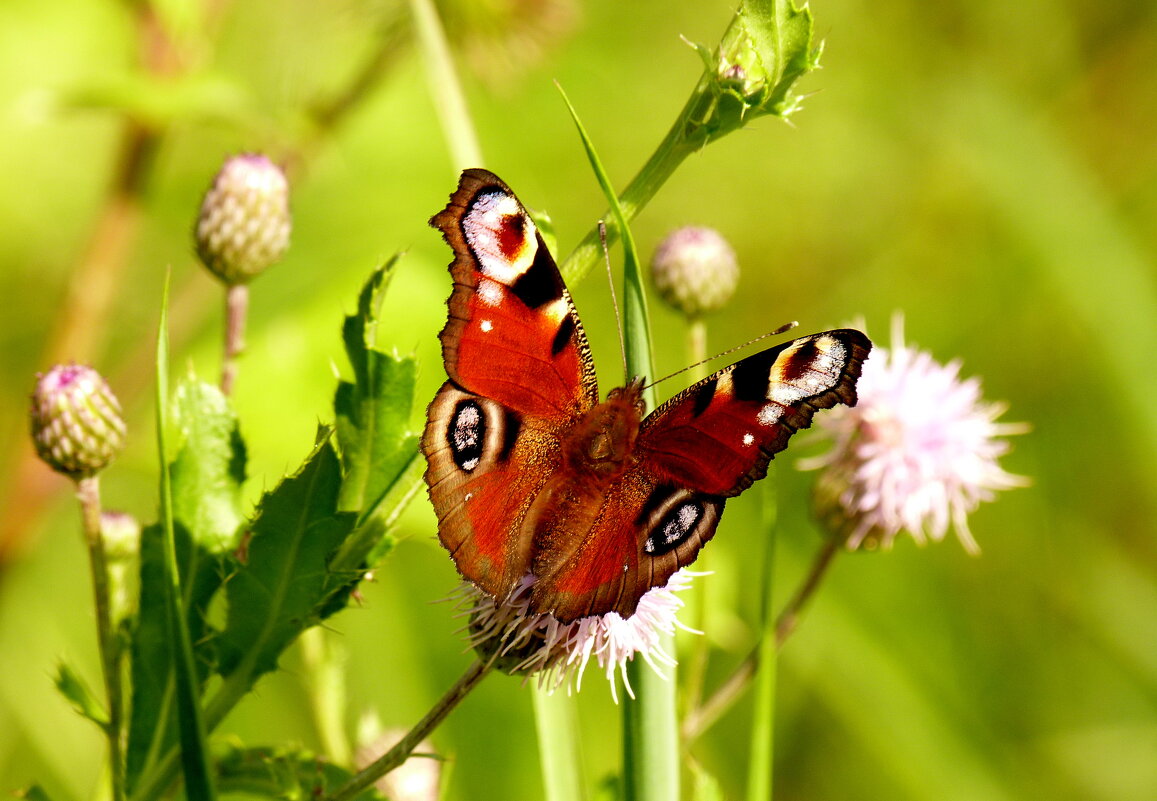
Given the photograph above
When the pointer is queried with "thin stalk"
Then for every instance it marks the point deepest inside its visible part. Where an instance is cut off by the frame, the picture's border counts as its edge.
(558, 746)
(325, 679)
(790, 615)
(236, 309)
(737, 683)
(404, 747)
(696, 671)
(88, 493)
(650, 726)
(761, 766)
(190, 721)
(646, 183)
(445, 89)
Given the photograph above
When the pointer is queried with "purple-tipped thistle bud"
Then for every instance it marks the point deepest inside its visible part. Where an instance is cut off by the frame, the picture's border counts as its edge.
(695, 270)
(76, 421)
(244, 223)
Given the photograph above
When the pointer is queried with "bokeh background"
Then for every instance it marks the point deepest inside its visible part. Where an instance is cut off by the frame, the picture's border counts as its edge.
(987, 168)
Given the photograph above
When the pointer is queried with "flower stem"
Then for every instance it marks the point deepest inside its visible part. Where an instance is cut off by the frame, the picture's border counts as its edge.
(445, 89)
(736, 685)
(646, 183)
(236, 308)
(402, 749)
(789, 616)
(88, 493)
(697, 664)
(558, 746)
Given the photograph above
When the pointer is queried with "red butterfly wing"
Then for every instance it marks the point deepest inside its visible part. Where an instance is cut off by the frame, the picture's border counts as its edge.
(718, 436)
(513, 334)
(708, 443)
(520, 374)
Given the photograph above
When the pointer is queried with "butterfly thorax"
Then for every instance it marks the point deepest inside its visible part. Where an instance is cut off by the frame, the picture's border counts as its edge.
(602, 444)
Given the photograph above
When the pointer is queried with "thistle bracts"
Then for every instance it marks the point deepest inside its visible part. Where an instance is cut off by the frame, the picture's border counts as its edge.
(76, 421)
(244, 223)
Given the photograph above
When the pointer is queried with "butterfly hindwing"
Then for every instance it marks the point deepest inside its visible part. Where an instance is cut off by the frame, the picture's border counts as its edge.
(520, 374)
(706, 444)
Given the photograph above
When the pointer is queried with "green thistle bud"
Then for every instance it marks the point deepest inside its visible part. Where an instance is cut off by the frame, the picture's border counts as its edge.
(694, 270)
(244, 223)
(76, 421)
(765, 50)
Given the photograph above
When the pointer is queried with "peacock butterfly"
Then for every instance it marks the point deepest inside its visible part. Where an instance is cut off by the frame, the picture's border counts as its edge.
(529, 473)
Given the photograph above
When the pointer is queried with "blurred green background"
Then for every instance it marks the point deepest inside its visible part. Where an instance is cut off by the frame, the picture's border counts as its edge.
(988, 168)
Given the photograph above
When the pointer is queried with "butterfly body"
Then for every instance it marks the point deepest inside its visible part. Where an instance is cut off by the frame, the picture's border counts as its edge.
(530, 473)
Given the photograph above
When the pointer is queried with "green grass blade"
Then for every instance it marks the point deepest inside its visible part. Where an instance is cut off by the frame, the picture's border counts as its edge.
(558, 746)
(650, 730)
(760, 770)
(190, 724)
(445, 90)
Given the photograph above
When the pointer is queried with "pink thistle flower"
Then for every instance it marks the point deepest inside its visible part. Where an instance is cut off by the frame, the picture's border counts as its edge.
(918, 453)
(557, 652)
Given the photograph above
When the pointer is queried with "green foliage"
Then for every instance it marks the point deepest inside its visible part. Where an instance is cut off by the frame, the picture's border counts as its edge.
(284, 773)
(1004, 202)
(280, 582)
(373, 411)
(205, 479)
(77, 692)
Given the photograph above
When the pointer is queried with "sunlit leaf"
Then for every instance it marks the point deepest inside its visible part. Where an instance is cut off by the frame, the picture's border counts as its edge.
(80, 695)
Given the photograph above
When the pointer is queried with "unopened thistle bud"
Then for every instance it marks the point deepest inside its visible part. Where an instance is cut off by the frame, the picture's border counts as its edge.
(694, 270)
(244, 223)
(76, 421)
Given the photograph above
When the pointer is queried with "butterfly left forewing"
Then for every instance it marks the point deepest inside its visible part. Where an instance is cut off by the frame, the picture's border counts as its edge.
(520, 374)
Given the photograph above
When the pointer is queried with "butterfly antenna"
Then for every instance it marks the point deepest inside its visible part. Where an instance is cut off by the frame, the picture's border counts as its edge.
(614, 298)
(781, 330)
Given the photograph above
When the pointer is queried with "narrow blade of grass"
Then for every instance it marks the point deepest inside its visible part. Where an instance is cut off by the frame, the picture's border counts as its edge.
(191, 726)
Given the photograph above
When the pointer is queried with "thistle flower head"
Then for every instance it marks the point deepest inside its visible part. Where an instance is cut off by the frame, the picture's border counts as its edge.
(244, 223)
(539, 644)
(76, 421)
(918, 453)
(695, 270)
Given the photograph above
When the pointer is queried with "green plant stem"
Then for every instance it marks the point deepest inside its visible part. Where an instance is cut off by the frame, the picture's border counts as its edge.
(88, 493)
(190, 722)
(737, 683)
(558, 746)
(761, 765)
(236, 309)
(696, 671)
(325, 679)
(403, 748)
(445, 89)
(646, 183)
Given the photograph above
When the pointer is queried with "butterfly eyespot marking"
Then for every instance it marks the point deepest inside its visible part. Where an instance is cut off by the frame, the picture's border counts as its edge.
(675, 527)
(487, 326)
(502, 237)
(466, 434)
(748, 438)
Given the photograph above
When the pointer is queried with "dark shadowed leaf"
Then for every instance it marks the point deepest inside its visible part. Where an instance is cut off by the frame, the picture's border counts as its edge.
(280, 586)
(282, 773)
(206, 476)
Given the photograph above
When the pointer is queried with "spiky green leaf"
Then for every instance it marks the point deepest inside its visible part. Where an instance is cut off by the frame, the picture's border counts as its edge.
(282, 581)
